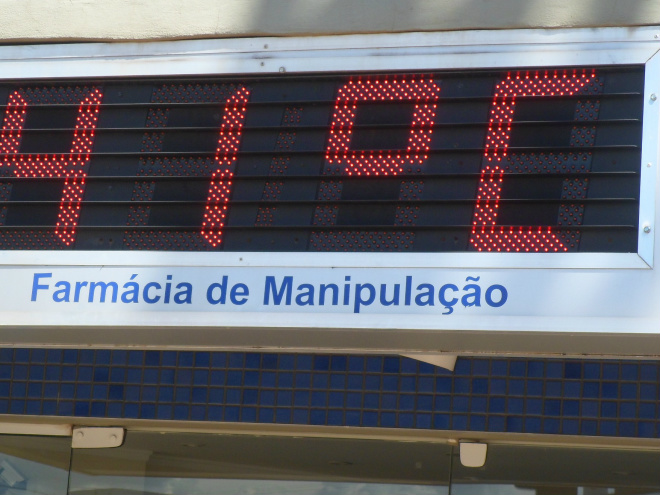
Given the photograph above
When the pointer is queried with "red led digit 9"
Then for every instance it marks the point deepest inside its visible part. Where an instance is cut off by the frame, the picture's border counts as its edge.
(421, 90)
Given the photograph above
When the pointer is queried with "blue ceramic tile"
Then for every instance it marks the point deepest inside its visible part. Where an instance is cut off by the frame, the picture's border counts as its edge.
(268, 362)
(514, 424)
(553, 388)
(551, 426)
(518, 368)
(319, 399)
(54, 356)
(535, 388)
(116, 392)
(499, 367)
(459, 422)
(480, 386)
(405, 420)
(304, 362)
(570, 427)
(592, 371)
(552, 407)
(497, 386)
(101, 374)
(571, 407)
(534, 406)
(441, 421)
(610, 371)
(119, 357)
(283, 416)
(408, 366)
(284, 398)
(462, 385)
(22, 355)
(152, 358)
(480, 367)
(388, 401)
(423, 421)
(628, 391)
(353, 401)
(390, 383)
(463, 367)
(21, 373)
(168, 358)
(286, 362)
(590, 409)
(216, 395)
(320, 380)
(371, 401)
(149, 394)
(496, 423)
(252, 361)
(516, 387)
(336, 399)
(374, 364)
(515, 406)
(609, 390)
(322, 363)
(649, 372)
(356, 363)
(532, 425)
(202, 359)
(219, 359)
(424, 402)
(608, 428)
(232, 396)
(303, 380)
(186, 360)
(85, 373)
(86, 356)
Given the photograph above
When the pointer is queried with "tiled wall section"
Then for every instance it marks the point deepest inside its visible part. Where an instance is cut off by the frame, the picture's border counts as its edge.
(611, 398)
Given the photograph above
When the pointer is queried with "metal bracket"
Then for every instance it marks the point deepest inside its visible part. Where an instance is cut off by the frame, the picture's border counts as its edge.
(472, 454)
(97, 438)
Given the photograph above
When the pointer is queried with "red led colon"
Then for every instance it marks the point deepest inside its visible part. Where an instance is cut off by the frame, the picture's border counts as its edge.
(486, 234)
(225, 158)
(72, 166)
(420, 90)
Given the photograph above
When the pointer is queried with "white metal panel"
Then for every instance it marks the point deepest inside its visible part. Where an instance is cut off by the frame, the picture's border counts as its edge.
(565, 295)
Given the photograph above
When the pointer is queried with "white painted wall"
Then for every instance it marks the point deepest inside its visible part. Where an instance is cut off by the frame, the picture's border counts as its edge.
(68, 20)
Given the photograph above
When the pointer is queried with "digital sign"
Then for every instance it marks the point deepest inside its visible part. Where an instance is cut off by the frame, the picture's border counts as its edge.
(533, 160)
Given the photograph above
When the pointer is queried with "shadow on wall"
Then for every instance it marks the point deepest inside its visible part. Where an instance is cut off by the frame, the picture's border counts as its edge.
(350, 16)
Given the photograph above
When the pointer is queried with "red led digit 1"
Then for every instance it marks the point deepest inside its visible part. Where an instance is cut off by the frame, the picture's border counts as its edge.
(421, 90)
(486, 234)
(225, 157)
(71, 167)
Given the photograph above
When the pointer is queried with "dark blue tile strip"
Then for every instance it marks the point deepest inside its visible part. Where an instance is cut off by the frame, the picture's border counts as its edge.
(571, 397)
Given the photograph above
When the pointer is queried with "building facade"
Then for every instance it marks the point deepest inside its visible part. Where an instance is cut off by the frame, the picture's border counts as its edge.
(340, 246)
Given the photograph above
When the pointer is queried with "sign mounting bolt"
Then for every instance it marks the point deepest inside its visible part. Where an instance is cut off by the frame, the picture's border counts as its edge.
(647, 229)
(653, 97)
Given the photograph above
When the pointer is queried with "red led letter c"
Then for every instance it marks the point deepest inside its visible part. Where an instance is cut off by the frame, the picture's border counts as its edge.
(486, 234)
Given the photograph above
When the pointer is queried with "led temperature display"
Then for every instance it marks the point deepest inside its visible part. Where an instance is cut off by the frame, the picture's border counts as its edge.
(517, 161)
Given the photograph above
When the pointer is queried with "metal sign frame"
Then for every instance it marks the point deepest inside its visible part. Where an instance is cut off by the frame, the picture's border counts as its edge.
(31, 317)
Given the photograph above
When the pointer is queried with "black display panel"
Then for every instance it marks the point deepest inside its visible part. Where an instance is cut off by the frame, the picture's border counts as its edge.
(538, 160)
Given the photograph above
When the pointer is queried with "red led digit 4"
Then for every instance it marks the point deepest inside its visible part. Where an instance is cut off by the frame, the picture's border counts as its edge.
(421, 90)
(71, 167)
(486, 234)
